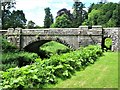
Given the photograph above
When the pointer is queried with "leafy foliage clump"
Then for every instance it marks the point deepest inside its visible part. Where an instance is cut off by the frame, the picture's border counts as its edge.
(12, 57)
(108, 42)
(62, 21)
(11, 60)
(13, 19)
(47, 71)
(6, 46)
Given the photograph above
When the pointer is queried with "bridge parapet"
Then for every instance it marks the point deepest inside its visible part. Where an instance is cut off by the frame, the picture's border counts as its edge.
(2, 32)
(58, 31)
(51, 31)
(73, 37)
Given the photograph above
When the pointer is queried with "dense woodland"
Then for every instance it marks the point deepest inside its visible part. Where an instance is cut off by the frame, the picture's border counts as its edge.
(105, 14)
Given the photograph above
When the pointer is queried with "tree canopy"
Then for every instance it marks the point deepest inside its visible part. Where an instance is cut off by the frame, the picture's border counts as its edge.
(103, 14)
(62, 21)
(12, 19)
(79, 14)
(65, 11)
(65, 19)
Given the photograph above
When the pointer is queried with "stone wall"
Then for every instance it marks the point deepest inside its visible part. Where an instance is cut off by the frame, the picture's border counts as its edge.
(2, 32)
(113, 33)
(71, 37)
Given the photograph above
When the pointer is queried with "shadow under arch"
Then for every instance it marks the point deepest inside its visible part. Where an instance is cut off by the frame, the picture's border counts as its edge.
(34, 46)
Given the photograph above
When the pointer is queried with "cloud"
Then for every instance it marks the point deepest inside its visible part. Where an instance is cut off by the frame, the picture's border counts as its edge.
(30, 4)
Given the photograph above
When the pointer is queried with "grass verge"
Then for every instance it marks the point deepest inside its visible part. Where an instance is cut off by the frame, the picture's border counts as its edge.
(102, 74)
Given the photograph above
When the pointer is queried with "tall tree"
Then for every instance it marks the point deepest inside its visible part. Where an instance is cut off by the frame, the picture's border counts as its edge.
(48, 18)
(6, 6)
(78, 13)
(6, 15)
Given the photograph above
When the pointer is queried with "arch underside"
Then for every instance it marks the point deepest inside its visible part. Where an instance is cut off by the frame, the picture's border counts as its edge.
(34, 46)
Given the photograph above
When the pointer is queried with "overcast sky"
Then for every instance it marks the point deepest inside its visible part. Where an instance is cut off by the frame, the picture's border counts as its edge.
(34, 9)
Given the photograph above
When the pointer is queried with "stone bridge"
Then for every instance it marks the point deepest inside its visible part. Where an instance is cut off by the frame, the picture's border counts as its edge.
(32, 39)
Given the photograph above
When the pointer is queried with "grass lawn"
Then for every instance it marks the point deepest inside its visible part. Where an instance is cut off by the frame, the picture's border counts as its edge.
(102, 74)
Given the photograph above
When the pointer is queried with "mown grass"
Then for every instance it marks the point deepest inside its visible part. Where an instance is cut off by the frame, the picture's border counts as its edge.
(102, 74)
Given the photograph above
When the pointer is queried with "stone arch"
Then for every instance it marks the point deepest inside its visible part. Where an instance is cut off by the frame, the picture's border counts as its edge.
(112, 33)
(34, 46)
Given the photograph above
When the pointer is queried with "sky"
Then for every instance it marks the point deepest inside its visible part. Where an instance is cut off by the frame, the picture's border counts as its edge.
(34, 9)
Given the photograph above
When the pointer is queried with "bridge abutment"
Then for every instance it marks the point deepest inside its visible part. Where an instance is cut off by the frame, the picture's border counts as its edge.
(15, 36)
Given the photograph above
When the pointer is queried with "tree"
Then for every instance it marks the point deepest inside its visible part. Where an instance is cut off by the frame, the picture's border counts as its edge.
(91, 7)
(14, 19)
(111, 23)
(78, 13)
(30, 24)
(6, 5)
(48, 18)
(116, 16)
(18, 19)
(6, 19)
(106, 15)
(65, 11)
(118, 23)
(62, 21)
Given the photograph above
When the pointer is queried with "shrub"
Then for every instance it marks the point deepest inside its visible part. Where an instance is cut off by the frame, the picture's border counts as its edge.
(7, 47)
(47, 71)
(108, 42)
(12, 59)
